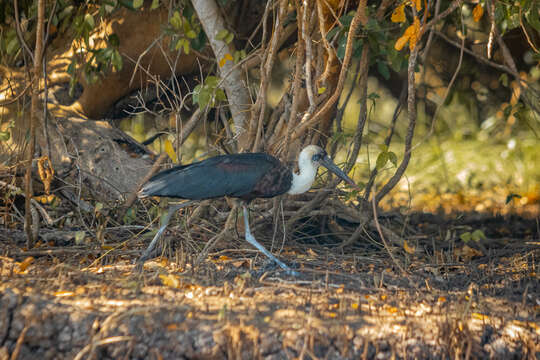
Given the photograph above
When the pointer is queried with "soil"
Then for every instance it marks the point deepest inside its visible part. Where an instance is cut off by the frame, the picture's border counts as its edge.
(441, 296)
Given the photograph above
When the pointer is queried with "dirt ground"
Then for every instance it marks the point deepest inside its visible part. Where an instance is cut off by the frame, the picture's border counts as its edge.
(441, 296)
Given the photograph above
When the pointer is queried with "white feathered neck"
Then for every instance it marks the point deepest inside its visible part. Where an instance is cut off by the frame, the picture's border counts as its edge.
(302, 181)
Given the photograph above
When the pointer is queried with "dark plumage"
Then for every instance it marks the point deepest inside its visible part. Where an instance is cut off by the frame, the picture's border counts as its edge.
(246, 176)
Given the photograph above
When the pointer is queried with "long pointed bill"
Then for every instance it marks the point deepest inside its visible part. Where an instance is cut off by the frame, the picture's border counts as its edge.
(329, 164)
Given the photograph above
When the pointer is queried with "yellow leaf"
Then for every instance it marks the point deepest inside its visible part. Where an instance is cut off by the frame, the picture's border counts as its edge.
(479, 316)
(409, 249)
(170, 151)
(441, 299)
(224, 258)
(46, 199)
(25, 263)
(477, 12)
(170, 280)
(400, 43)
(354, 306)
(398, 15)
(224, 60)
(414, 33)
(46, 172)
(467, 252)
(418, 4)
(392, 309)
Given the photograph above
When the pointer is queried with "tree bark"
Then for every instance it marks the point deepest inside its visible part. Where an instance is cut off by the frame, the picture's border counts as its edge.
(36, 75)
(231, 75)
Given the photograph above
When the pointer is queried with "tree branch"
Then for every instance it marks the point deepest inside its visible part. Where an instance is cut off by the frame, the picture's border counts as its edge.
(233, 81)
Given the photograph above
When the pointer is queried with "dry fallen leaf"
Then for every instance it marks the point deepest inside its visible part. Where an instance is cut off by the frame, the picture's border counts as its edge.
(170, 280)
(25, 263)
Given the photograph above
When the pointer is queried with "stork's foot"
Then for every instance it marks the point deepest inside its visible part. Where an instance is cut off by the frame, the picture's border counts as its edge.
(271, 265)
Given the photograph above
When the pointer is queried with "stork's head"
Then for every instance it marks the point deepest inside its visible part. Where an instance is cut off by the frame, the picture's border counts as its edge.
(309, 160)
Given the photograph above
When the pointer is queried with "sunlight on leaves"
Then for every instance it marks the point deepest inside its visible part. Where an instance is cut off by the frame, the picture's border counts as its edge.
(478, 12)
(25, 264)
(169, 149)
(170, 280)
(411, 35)
(409, 249)
(223, 61)
(398, 15)
(418, 4)
(479, 316)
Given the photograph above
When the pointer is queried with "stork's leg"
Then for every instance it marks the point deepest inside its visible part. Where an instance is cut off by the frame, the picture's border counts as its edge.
(148, 253)
(251, 239)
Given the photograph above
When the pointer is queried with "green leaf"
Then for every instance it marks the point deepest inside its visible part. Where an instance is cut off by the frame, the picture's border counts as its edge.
(138, 3)
(12, 46)
(229, 38)
(187, 47)
(89, 20)
(342, 44)
(116, 60)
(220, 95)
(211, 81)
(184, 44)
(204, 98)
(155, 4)
(176, 21)
(504, 79)
(191, 34)
(222, 34)
(330, 35)
(465, 237)
(392, 157)
(113, 40)
(478, 235)
(382, 159)
(383, 69)
(5, 135)
(533, 18)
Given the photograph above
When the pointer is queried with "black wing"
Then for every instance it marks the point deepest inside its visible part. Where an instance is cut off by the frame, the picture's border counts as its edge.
(236, 175)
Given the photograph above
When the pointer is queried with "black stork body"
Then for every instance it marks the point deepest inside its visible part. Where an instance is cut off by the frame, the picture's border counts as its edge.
(245, 176)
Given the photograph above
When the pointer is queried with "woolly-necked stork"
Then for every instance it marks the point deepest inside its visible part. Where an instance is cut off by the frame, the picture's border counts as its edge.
(246, 176)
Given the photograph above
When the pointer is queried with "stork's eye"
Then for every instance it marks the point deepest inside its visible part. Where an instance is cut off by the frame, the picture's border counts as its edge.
(316, 157)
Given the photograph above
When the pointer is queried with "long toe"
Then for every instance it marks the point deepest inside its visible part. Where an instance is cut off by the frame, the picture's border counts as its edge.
(270, 265)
